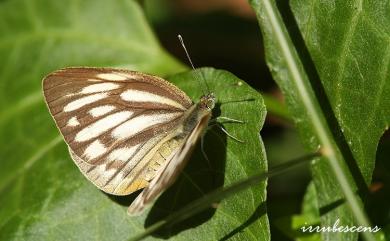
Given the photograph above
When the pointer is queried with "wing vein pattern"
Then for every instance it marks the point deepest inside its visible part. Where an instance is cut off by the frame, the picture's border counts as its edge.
(119, 125)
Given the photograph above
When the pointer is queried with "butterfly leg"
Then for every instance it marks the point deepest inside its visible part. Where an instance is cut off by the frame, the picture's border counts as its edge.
(216, 121)
(203, 151)
(219, 125)
(227, 119)
(230, 119)
(228, 134)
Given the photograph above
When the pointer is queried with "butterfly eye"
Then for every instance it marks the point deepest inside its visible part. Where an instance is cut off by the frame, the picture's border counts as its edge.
(207, 101)
(210, 103)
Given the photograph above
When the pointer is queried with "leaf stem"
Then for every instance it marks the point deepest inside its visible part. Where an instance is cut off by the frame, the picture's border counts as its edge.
(219, 194)
(329, 148)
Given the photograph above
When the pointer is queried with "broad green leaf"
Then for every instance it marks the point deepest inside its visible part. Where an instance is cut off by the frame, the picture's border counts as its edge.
(43, 196)
(59, 200)
(38, 37)
(347, 60)
(41, 36)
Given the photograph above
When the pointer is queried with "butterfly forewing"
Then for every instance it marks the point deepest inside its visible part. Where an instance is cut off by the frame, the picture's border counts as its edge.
(121, 126)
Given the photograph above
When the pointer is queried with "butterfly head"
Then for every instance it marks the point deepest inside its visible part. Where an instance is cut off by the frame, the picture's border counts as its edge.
(207, 101)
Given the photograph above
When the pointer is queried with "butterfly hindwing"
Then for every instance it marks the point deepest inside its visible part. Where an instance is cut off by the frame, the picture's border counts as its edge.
(124, 177)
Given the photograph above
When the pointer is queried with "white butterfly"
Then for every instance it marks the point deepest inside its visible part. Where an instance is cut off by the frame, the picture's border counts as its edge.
(126, 130)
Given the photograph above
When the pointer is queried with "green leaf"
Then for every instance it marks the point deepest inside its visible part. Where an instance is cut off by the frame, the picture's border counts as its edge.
(43, 196)
(44, 36)
(310, 216)
(344, 49)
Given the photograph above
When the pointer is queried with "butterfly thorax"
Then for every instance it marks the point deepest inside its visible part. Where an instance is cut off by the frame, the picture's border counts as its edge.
(199, 112)
(207, 102)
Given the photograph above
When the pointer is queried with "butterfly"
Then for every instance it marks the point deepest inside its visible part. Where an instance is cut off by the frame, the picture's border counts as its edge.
(126, 130)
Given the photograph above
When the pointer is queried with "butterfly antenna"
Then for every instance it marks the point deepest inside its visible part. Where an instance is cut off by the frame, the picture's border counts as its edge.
(199, 75)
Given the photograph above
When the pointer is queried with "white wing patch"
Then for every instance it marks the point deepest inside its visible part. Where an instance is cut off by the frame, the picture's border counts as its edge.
(94, 150)
(101, 110)
(102, 87)
(94, 80)
(76, 104)
(73, 122)
(142, 96)
(102, 125)
(107, 172)
(112, 76)
(140, 123)
(122, 154)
